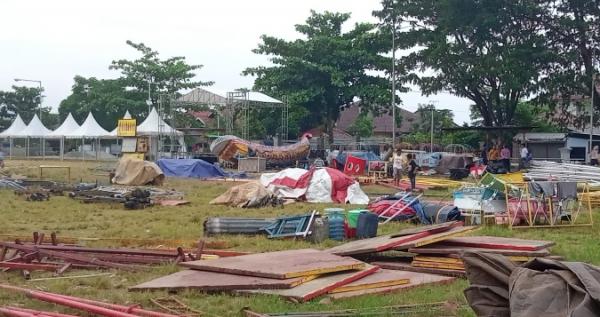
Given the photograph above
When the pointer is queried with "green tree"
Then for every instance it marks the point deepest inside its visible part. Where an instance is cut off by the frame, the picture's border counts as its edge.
(362, 126)
(442, 118)
(106, 99)
(166, 76)
(572, 29)
(326, 68)
(24, 101)
(489, 51)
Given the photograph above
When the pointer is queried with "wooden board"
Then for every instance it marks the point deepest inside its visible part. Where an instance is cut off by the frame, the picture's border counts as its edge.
(441, 248)
(407, 267)
(438, 259)
(433, 238)
(434, 265)
(437, 228)
(416, 280)
(281, 264)
(499, 243)
(319, 286)
(381, 278)
(381, 243)
(213, 281)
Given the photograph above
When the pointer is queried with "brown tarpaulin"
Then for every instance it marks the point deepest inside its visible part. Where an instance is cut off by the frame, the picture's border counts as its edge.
(250, 194)
(541, 287)
(137, 172)
(451, 161)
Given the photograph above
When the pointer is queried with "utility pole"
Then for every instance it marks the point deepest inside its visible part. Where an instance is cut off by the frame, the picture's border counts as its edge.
(149, 101)
(432, 112)
(592, 112)
(394, 83)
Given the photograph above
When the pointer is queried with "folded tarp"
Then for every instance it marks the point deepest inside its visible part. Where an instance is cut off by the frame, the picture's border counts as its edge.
(541, 287)
(193, 168)
(137, 172)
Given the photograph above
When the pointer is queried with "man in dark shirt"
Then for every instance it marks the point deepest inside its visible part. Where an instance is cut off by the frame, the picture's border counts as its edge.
(412, 171)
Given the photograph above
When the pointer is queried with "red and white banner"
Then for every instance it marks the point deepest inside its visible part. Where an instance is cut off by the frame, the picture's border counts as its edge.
(319, 185)
(355, 165)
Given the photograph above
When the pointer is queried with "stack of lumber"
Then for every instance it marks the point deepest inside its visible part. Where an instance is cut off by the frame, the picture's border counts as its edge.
(545, 171)
(305, 274)
(445, 257)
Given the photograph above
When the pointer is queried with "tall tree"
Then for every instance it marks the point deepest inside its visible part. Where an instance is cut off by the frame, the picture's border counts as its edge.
(442, 118)
(24, 101)
(106, 99)
(489, 51)
(166, 76)
(572, 28)
(326, 68)
(362, 126)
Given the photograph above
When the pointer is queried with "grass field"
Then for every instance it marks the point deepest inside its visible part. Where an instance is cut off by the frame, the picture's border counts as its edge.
(106, 225)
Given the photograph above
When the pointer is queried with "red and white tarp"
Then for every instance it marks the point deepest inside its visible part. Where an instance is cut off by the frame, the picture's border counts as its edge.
(317, 185)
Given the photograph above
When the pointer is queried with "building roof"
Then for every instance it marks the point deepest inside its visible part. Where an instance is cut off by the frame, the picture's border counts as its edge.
(212, 96)
(206, 117)
(381, 123)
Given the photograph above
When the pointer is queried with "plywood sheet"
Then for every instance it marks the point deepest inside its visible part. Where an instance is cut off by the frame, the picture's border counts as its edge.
(387, 242)
(437, 228)
(320, 286)
(434, 265)
(407, 267)
(433, 238)
(281, 265)
(442, 248)
(438, 259)
(213, 281)
(416, 280)
(381, 278)
(499, 243)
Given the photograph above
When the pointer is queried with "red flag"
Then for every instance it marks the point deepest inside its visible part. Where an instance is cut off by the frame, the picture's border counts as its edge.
(354, 165)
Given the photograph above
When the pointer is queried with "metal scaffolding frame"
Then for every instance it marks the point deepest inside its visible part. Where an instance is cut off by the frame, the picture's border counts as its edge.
(240, 103)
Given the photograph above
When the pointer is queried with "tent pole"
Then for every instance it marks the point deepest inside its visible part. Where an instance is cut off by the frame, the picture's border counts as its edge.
(62, 148)
(43, 140)
(10, 147)
(82, 149)
(27, 148)
(96, 146)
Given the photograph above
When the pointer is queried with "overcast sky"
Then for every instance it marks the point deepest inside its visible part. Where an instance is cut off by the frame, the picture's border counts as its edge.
(53, 41)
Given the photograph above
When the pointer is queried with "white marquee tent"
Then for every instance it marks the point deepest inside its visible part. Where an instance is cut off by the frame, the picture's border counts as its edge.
(154, 125)
(67, 126)
(16, 126)
(89, 129)
(35, 129)
(126, 116)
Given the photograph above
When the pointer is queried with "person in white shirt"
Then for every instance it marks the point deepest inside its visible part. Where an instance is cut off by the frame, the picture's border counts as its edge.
(524, 156)
(398, 166)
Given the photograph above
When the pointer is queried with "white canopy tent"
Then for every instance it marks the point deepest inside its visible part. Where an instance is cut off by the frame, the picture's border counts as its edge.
(68, 125)
(89, 129)
(16, 126)
(154, 125)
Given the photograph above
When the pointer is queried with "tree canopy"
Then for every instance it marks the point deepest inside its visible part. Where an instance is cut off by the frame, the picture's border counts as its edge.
(21, 100)
(325, 68)
(489, 51)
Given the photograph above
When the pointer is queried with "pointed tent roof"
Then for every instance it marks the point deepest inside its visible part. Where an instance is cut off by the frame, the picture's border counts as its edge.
(126, 116)
(154, 124)
(89, 129)
(35, 128)
(68, 126)
(16, 126)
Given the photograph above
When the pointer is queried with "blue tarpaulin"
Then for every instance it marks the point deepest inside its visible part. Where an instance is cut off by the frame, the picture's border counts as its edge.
(190, 168)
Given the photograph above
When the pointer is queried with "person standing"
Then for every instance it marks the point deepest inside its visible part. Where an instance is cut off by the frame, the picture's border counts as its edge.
(524, 156)
(594, 156)
(484, 154)
(413, 167)
(505, 157)
(398, 166)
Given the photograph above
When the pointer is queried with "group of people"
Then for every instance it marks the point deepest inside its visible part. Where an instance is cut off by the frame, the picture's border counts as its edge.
(497, 154)
(400, 164)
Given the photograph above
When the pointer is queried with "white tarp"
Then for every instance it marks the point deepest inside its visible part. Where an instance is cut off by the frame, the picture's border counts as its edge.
(155, 125)
(69, 125)
(89, 129)
(35, 128)
(318, 185)
(16, 126)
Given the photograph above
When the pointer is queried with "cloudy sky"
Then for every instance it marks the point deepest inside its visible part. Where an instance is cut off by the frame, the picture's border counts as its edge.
(53, 41)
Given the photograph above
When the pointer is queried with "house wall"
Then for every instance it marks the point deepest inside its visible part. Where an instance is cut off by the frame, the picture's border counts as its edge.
(579, 148)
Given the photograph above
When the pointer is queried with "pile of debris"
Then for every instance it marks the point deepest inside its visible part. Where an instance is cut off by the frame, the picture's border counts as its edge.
(58, 257)
(129, 196)
(547, 171)
(283, 227)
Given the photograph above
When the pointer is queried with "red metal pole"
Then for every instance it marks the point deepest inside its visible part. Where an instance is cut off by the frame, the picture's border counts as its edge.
(13, 313)
(121, 308)
(53, 298)
(39, 313)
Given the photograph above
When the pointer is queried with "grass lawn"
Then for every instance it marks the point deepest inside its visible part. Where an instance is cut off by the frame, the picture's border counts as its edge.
(112, 226)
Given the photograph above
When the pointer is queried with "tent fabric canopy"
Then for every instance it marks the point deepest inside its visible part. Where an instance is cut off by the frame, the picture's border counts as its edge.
(67, 126)
(16, 126)
(89, 129)
(35, 128)
(155, 125)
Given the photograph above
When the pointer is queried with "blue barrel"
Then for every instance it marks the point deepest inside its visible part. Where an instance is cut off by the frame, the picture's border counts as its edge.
(336, 223)
(367, 225)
